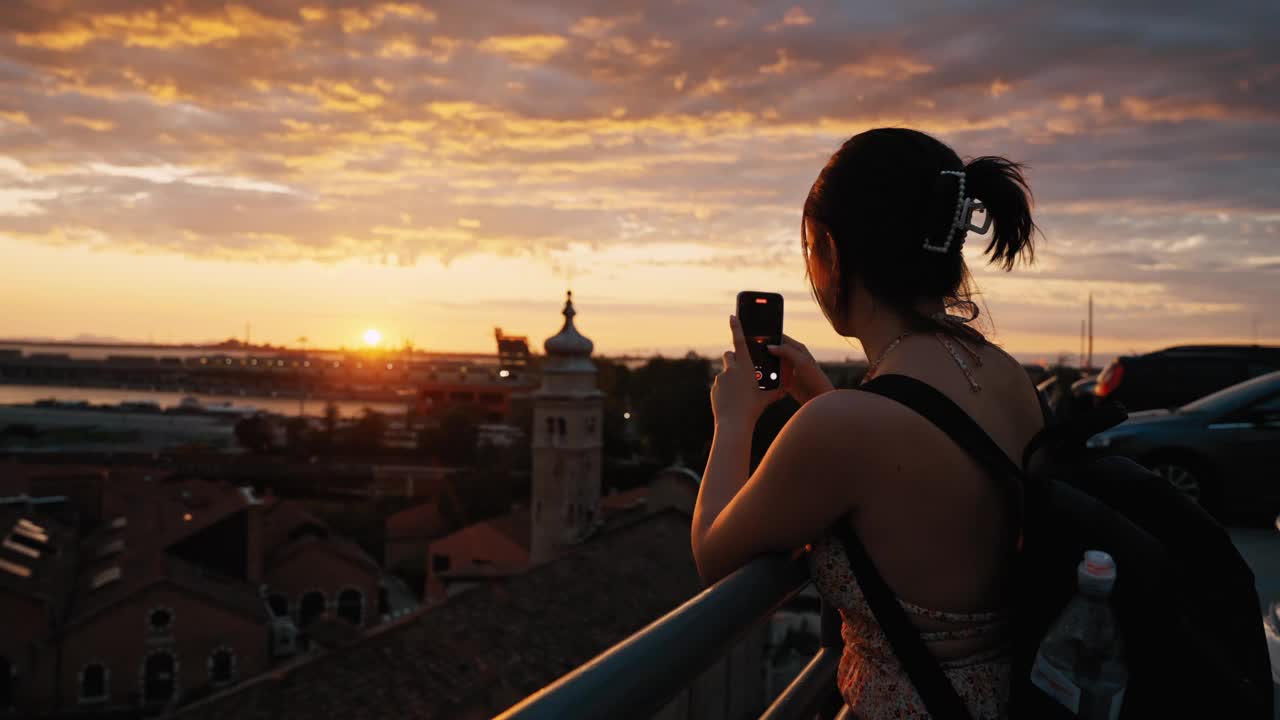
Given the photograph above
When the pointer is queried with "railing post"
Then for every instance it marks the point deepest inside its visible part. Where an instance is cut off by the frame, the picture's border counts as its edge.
(833, 642)
(813, 693)
(831, 624)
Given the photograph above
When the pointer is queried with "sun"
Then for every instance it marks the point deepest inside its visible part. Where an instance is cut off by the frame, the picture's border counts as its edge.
(372, 337)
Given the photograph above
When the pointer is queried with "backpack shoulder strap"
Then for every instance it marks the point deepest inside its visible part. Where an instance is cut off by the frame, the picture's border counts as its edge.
(949, 417)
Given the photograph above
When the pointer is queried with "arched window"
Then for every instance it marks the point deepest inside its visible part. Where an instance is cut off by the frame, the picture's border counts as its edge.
(93, 683)
(551, 426)
(310, 608)
(6, 682)
(279, 604)
(560, 426)
(351, 606)
(222, 666)
(159, 673)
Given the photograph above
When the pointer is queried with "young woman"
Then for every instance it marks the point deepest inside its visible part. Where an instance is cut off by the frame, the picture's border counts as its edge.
(882, 233)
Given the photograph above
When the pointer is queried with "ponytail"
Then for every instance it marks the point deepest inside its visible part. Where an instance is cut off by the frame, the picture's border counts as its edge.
(999, 184)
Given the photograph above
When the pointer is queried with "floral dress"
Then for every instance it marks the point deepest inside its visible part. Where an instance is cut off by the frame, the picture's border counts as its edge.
(873, 682)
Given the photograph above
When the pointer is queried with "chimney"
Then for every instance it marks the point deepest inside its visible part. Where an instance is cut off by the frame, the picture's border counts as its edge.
(254, 544)
(1089, 357)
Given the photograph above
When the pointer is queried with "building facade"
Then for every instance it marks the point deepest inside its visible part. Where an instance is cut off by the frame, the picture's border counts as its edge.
(566, 443)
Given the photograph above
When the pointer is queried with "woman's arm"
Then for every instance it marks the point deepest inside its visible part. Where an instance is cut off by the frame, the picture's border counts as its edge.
(801, 487)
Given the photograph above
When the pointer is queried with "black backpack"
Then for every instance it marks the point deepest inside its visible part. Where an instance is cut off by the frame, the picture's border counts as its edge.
(1185, 600)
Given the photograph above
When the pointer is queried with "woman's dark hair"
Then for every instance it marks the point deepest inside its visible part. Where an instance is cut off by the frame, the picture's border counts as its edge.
(878, 199)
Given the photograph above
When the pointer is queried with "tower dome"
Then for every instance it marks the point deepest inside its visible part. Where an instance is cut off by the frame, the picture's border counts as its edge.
(568, 341)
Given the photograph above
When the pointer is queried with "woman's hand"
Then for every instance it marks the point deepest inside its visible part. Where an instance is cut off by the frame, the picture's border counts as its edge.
(736, 397)
(801, 376)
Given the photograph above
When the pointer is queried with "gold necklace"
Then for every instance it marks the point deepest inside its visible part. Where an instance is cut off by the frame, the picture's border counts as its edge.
(951, 350)
(873, 367)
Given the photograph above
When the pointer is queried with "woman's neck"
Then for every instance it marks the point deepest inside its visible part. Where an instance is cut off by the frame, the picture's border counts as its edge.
(886, 325)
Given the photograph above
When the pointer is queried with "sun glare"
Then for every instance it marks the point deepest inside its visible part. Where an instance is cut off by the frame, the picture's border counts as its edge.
(372, 337)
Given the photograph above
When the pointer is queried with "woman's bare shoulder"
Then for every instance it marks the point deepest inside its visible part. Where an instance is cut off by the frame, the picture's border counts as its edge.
(846, 425)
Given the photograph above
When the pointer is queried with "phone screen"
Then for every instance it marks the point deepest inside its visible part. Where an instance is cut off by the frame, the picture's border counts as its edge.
(760, 314)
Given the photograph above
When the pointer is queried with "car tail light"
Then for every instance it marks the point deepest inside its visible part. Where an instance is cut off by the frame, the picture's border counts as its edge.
(1110, 379)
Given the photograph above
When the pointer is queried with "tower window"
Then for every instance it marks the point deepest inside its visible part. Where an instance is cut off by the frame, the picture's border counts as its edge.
(560, 425)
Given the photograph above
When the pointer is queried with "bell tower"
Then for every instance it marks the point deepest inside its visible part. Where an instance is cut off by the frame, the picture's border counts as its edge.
(566, 441)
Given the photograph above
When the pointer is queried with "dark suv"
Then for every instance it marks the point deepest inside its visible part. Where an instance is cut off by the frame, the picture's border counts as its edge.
(1176, 376)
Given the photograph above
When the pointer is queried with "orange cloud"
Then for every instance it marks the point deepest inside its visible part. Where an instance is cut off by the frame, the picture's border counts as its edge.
(167, 28)
(16, 117)
(355, 20)
(530, 49)
(794, 17)
(598, 27)
(785, 64)
(647, 54)
(340, 95)
(1174, 111)
(90, 123)
(891, 67)
(1092, 101)
(439, 49)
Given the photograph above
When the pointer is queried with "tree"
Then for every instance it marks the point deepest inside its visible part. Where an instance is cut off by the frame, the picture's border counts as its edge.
(614, 380)
(330, 425)
(453, 441)
(297, 435)
(672, 407)
(365, 436)
(254, 433)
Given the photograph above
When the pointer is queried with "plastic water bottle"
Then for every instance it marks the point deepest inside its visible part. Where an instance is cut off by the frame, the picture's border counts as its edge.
(1080, 663)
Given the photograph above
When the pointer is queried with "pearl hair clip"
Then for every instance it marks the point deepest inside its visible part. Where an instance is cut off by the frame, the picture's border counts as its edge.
(962, 219)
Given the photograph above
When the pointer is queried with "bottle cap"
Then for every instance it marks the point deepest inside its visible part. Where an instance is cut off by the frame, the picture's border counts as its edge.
(1097, 571)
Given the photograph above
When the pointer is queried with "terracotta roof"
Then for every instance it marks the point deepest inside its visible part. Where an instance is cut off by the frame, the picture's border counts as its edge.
(341, 547)
(516, 526)
(422, 520)
(159, 515)
(490, 646)
(625, 500)
(143, 569)
(280, 518)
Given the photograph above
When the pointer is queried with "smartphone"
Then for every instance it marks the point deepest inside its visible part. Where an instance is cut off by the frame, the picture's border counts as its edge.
(760, 314)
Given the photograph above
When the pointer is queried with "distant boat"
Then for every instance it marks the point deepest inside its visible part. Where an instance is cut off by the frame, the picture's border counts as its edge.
(140, 406)
(191, 404)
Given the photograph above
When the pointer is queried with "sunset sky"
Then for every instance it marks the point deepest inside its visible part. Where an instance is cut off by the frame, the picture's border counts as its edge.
(173, 171)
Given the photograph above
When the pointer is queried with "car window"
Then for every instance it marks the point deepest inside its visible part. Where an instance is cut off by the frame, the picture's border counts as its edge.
(1269, 405)
(1236, 395)
(1204, 371)
(1260, 368)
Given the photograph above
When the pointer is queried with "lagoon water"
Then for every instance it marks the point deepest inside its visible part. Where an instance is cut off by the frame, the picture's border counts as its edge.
(27, 394)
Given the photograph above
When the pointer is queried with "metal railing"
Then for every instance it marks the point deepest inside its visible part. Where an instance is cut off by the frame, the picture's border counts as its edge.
(640, 675)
